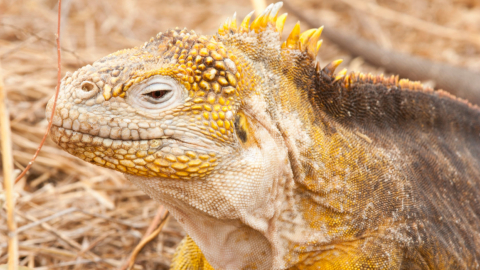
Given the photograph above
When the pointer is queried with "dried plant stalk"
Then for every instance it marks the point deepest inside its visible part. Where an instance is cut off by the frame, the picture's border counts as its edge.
(59, 74)
(8, 177)
(161, 218)
(413, 22)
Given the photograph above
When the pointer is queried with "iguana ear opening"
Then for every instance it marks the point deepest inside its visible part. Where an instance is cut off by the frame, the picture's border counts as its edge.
(241, 127)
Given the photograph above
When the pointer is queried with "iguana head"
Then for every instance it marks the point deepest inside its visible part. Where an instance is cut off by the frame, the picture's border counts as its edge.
(204, 124)
(184, 106)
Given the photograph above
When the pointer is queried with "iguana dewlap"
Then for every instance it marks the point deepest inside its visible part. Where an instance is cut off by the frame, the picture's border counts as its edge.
(271, 162)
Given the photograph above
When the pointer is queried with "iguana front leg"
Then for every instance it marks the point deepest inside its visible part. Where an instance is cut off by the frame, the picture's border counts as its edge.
(188, 256)
(368, 253)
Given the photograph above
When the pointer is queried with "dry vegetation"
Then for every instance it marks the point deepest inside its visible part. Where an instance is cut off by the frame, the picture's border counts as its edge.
(92, 217)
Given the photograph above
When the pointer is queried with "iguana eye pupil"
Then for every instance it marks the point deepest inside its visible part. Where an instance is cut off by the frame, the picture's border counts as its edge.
(158, 94)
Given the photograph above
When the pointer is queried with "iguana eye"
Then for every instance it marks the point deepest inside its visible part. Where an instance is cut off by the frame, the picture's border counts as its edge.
(157, 93)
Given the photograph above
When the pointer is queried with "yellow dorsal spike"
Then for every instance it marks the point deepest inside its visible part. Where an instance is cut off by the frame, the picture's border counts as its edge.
(292, 40)
(233, 26)
(340, 74)
(244, 26)
(226, 25)
(255, 24)
(305, 36)
(267, 11)
(281, 22)
(329, 69)
(266, 15)
(221, 31)
(265, 20)
(336, 63)
(312, 42)
(260, 23)
(272, 18)
(319, 44)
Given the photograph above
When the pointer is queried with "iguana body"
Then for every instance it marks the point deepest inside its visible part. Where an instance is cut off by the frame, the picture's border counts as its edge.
(270, 162)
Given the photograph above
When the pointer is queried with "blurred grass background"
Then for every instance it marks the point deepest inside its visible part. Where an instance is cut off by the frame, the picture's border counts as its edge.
(113, 215)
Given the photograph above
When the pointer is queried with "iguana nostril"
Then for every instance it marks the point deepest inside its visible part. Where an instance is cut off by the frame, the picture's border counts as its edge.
(87, 90)
(88, 86)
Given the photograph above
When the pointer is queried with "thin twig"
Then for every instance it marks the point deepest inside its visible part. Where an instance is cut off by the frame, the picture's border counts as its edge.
(43, 220)
(59, 64)
(71, 263)
(95, 242)
(121, 222)
(7, 160)
(38, 37)
(64, 238)
(156, 220)
(74, 209)
(413, 22)
(159, 220)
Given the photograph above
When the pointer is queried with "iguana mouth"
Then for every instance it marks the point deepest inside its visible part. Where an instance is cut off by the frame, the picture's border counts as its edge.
(164, 157)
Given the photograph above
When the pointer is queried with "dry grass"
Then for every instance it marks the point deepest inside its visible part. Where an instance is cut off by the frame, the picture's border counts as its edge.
(81, 216)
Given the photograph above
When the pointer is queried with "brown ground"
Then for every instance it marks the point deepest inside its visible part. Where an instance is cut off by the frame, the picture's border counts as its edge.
(92, 29)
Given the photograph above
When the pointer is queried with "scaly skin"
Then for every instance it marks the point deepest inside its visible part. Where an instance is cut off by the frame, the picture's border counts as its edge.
(270, 162)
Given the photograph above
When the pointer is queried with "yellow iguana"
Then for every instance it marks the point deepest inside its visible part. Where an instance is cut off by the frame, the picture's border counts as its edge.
(271, 162)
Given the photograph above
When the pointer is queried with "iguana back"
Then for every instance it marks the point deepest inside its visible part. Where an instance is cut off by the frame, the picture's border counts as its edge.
(435, 141)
